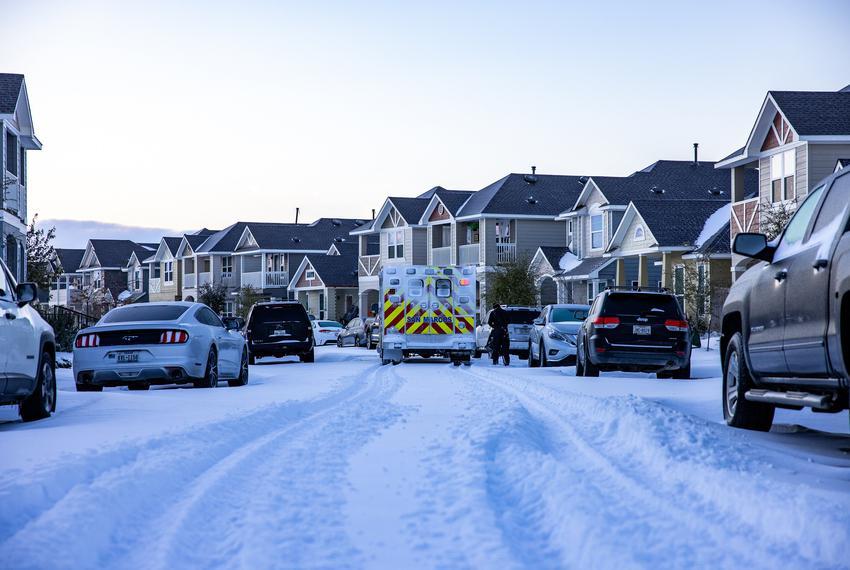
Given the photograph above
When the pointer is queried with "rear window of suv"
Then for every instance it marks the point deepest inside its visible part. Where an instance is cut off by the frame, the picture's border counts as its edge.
(278, 313)
(136, 313)
(522, 316)
(641, 305)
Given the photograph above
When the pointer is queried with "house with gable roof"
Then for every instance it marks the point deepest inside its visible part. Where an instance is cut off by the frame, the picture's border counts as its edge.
(64, 288)
(165, 272)
(104, 269)
(798, 138)
(17, 137)
(326, 284)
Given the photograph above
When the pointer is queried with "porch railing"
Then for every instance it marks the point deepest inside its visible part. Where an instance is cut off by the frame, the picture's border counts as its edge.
(189, 280)
(505, 252)
(468, 254)
(441, 256)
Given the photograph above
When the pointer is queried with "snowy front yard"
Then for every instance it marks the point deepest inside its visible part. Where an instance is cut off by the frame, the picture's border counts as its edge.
(344, 463)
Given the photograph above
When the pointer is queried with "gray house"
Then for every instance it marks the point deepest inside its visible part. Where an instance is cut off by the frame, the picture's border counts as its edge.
(17, 136)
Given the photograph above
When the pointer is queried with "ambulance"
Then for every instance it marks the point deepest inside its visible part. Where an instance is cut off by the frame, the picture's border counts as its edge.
(427, 311)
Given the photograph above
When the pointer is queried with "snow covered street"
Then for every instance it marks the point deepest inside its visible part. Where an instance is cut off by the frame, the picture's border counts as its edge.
(345, 463)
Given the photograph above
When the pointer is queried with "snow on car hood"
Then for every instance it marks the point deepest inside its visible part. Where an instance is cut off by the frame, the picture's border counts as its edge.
(568, 327)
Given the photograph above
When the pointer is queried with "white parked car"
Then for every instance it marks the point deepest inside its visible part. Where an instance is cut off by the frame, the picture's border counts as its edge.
(326, 332)
(552, 341)
(521, 319)
(27, 351)
(159, 343)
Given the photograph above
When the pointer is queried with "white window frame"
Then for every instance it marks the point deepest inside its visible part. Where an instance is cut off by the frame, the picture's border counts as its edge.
(783, 165)
(227, 266)
(600, 231)
(168, 272)
(395, 244)
(228, 309)
(310, 275)
(639, 234)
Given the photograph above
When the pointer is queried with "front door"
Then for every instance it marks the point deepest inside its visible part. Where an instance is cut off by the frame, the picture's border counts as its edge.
(807, 290)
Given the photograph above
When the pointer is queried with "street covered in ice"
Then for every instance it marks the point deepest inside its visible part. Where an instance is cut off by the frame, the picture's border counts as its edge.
(345, 463)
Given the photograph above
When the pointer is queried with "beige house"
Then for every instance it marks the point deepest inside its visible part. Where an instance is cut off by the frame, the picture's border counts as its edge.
(326, 284)
(166, 275)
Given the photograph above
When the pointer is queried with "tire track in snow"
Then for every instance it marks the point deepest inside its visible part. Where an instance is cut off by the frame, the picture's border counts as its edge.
(279, 499)
(113, 496)
(664, 458)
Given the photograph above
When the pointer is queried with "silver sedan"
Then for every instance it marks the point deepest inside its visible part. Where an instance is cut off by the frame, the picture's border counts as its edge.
(159, 343)
(552, 341)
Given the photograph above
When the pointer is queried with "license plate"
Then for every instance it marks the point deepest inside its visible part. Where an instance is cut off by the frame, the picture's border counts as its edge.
(128, 357)
(280, 332)
(641, 329)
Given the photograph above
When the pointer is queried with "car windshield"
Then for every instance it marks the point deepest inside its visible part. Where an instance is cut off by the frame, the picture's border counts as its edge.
(566, 314)
(331, 324)
(642, 304)
(136, 313)
(522, 316)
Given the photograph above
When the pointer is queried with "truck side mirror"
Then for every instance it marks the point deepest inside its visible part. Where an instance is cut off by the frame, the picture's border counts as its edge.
(26, 293)
(753, 245)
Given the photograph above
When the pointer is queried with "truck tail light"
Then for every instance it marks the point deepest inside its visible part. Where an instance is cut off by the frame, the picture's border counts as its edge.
(676, 325)
(606, 322)
(173, 337)
(87, 341)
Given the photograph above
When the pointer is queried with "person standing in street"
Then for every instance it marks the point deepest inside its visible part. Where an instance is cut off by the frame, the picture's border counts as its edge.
(500, 341)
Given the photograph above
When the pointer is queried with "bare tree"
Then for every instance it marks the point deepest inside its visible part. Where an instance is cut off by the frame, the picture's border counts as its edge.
(775, 216)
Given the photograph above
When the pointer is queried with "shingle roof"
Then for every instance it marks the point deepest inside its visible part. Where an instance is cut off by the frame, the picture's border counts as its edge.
(315, 236)
(195, 240)
(411, 209)
(587, 266)
(70, 259)
(716, 244)
(336, 270)
(116, 252)
(10, 90)
(676, 180)
(676, 223)
(172, 243)
(553, 255)
(815, 112)
(526, 194)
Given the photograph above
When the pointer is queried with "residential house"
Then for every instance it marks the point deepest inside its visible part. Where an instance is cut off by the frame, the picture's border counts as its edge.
(799, 138)
(138, 278)
(326, 284)
(17, 136)
(395, 236)
(546, 266)
(165, 269)
(609, 237)
(256, 254)
(64, 288)
(104, 269)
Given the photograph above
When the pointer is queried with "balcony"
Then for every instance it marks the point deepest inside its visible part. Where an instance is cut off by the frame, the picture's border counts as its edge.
(368, 265)
(265, 279)
(468, 254)
(13, 198)
(441, 256)
(505, 252)
(204, 278)
(155, 284)
(189, 281)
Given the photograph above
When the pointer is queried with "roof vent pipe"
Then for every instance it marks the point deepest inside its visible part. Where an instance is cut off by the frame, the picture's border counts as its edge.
(296, 214)
(696, 154)
(533, 170)
(373, 213)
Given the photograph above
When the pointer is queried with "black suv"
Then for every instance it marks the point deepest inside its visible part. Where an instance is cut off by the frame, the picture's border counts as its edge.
(786, 321)
(635, 331)
(279, 329)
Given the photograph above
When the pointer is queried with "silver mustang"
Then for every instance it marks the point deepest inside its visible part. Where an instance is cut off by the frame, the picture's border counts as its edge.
(159, 343)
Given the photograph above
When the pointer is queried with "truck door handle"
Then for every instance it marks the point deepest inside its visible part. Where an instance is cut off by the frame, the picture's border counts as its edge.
(820, 263)
(781, 275)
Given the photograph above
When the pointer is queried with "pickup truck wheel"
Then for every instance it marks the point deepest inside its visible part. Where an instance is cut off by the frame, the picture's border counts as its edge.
(42, 402)
(737, 410)
(307, 356)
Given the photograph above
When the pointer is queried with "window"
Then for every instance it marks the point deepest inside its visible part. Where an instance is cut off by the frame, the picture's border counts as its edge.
(169, 271)
(145, 312)
(414, 287)
(589, 291)
(206, 316)
(137, 279)
(321, 305)
(444, 288)
(11, 153)
(395, 247)
(635, 284)
(701, 289)
(639, 235)
(596, 231)
(156, 271)
(228, 308)
(310, 275)
(6, 287)
(782, 170)
(226, 266)
(566, 315)
(797, 226)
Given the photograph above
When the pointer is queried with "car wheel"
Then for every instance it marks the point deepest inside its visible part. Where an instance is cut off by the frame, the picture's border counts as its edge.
(339, 343)
(210, 379)
(138, 386)
(544, 360)
(579, 362)
(42, 402)
(737, 410)
(308, 356)
(682, 373)
(356, 342)
(590, 369)
(89, 388)
(252, 359)
(242, 379)
(532, 362)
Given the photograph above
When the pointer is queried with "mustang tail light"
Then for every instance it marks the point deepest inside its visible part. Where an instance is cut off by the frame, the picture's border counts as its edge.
(606, 322)
(326, 330)
(87, 341)
(676, 325)
(173, 337)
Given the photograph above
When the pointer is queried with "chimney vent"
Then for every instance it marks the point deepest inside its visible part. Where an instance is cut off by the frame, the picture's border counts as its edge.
(297, 210)
(696, 154)
(373, 213)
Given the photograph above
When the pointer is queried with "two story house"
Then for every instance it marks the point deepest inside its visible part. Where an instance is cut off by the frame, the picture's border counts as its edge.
(798, 138)
(17, 136)
(326, 284)
(64, 288)
(104, 270)
(138, 278)
(165, 267)
(633, 230)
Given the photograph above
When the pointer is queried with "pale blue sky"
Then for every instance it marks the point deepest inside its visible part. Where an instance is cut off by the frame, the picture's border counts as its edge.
(200, 113)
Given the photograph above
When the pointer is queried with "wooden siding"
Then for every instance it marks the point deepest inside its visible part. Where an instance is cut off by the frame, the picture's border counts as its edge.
(822, 159)
(531, 234)
(744, 217)
(418, 246)
(629, 244)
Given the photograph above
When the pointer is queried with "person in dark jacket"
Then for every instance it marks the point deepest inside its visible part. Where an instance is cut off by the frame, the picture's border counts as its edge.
(500, 341)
